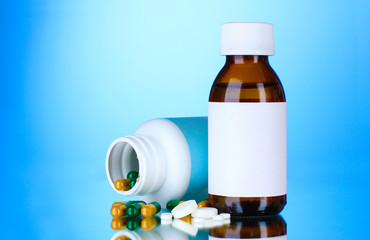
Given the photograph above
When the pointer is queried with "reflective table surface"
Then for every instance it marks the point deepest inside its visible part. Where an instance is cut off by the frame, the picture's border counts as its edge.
(272, 227)
(314, 210)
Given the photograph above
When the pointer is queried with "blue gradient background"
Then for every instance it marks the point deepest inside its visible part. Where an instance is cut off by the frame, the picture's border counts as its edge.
(77, 74)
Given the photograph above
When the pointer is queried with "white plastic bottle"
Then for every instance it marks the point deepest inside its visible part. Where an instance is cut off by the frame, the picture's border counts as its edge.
(171, 158)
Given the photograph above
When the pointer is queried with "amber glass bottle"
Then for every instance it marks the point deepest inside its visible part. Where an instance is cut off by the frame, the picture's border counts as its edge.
(262, 227)
(247, 125)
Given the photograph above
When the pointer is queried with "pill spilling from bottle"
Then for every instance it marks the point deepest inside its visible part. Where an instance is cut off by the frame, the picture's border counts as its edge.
(127, 183)
(122, 184)
(132, 175)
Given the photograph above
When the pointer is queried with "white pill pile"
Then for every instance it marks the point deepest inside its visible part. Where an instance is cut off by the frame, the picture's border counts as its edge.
(200, 217)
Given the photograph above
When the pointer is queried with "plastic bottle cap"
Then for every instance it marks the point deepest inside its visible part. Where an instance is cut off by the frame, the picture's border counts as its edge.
(247, 38)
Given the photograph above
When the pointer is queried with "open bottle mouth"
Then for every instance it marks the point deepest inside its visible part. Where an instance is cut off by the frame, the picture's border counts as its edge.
(137, 153)
(122, 158)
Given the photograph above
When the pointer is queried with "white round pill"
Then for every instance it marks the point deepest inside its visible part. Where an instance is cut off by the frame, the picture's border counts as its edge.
(225, 215)
(205, 212)
(166, 216)
(218, 218)
(184, 209)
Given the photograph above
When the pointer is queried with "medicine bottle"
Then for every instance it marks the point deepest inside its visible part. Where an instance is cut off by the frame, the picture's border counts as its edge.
(170, 156)
(260, 227)
(247, 125)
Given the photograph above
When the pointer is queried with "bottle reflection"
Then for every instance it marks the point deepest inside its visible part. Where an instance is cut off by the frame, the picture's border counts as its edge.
(252, 228)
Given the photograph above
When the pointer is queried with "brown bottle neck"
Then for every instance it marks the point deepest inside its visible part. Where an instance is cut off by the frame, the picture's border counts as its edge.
(246, 59)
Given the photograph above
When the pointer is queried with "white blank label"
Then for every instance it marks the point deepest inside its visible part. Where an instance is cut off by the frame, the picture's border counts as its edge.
(247, 149)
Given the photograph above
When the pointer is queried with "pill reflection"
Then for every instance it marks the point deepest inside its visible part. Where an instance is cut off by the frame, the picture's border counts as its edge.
(118, 223)
(202, 228)
(150, 223)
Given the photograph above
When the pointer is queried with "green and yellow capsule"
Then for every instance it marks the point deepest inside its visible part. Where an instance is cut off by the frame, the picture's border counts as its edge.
(204, 203)
(120, 210)
(150, 209)
(122, 184)
(132, 175)
(118, 203)
(172, 204)
(132, 183)
(134, 209)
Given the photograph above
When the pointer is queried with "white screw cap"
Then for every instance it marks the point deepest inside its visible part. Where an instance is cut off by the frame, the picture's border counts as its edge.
(247, 38)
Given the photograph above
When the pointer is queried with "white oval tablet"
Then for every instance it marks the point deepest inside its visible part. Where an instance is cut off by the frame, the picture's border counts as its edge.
(184, 209)
(205, 212)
